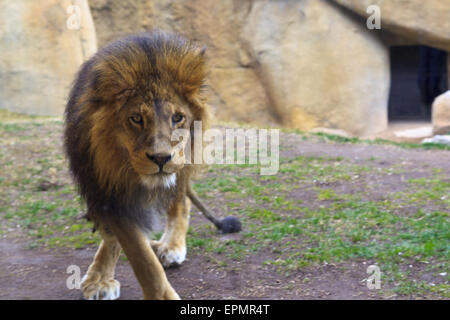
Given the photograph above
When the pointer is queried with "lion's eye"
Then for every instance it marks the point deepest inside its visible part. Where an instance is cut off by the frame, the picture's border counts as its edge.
(177, 117)
(136, 118)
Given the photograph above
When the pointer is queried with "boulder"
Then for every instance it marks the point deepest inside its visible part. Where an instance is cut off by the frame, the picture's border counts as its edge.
(441, 114)
(426, 22)
(319, 65)
(43, 44)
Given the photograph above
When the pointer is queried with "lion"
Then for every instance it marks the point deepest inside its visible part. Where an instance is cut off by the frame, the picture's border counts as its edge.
(124, 106)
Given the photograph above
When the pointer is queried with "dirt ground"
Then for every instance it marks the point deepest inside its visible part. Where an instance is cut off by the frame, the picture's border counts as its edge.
(41, 272)
(42, 275)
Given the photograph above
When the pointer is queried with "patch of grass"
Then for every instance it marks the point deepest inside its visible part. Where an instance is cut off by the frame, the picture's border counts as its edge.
(11, 127)
(411, 287)
(410, 145)
(336, 138)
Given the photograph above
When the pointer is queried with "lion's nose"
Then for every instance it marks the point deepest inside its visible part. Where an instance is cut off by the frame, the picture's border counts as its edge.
(160, 159)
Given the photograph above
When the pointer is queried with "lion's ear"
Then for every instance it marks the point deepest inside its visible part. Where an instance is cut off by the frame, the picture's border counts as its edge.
(200, 110)
(121, 98)
(125, 94)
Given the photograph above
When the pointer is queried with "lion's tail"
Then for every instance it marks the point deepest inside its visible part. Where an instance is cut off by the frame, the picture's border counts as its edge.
(227, 225)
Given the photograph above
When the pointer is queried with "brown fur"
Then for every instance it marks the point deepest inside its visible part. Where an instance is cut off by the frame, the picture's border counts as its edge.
(123, 108)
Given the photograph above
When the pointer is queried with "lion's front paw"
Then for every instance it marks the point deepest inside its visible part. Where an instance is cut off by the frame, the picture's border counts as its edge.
(169, 255)
(94, 288)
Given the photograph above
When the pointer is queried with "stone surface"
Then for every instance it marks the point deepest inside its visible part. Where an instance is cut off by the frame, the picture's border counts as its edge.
(419, 132)
(319, 65)
(441, 114)
(300, 64)
(426, 22)
(40, 53)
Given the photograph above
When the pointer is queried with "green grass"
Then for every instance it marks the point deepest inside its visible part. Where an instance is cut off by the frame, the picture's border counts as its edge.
(343, 228)
(53, 224)
(37, 197)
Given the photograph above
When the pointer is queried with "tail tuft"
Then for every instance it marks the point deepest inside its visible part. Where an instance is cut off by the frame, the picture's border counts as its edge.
(229, 225)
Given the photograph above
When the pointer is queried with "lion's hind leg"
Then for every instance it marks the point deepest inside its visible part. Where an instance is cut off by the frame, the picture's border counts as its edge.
(99, 282)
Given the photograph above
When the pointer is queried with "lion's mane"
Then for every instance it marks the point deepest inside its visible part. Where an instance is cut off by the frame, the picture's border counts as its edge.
(139, 64)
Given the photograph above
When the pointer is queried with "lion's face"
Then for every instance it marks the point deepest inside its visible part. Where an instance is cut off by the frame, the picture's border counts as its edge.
(148, 126)
(127, 102)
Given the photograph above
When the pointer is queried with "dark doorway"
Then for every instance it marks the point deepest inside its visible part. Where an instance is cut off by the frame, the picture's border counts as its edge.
(418, 75)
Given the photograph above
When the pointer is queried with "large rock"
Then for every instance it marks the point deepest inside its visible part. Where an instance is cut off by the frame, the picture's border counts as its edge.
(441, 114)
(426, 22)
(319, 65)
(42, 49)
